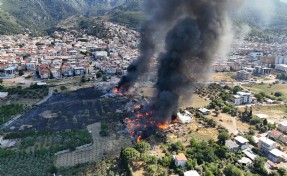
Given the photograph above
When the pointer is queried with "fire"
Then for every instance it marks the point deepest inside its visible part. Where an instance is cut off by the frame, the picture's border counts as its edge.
(139, 139)
(163, 126)
(174, 120)
(137, 106)
(116, 90)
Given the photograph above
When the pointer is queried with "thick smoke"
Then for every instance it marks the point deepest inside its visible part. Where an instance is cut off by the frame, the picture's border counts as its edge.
(194, 32)
(160, 15)
(190, 47)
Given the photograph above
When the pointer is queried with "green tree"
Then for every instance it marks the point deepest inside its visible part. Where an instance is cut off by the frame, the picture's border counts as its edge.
(142, 146)
(105, 78)
(130, 154)
(222, 137)
(259, 166)
(232, 170)
(236, 89)
(226, 109)
(259, 97)
(99, 74)
(166, 161)
(21, 72)
(278, 94)
(83, 79)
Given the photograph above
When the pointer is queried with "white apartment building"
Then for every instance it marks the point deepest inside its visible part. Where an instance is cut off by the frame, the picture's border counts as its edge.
(242, 98)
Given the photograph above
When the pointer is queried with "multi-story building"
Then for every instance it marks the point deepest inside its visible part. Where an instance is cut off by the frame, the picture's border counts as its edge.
(242, 98)
(282, 126)
(265, 145)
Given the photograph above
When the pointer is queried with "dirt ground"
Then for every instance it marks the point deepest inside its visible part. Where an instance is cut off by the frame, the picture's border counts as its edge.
(102, 148)
(276, 113)
(232, 124)
(184, 132)
(217, 77)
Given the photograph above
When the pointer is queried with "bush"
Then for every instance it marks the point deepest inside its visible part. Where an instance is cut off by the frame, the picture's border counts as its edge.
(63, 88)
(278, 94)
(226, 109)
(142, 146)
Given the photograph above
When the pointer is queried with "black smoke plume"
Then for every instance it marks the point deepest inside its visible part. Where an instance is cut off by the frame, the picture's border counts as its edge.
(193, 36)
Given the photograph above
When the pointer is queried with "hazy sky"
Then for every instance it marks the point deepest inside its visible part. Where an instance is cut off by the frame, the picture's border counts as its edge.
(284, 1)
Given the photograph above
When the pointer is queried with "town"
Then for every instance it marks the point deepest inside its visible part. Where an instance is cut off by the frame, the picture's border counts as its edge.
(60, 109)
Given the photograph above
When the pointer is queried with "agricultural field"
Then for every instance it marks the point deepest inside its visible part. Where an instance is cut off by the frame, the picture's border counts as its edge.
(23, 164)
(267, 89)
(52, 141)
(103, 147)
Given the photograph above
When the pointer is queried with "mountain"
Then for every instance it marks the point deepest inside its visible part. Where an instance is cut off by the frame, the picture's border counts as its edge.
(42, 16)
(37, 16)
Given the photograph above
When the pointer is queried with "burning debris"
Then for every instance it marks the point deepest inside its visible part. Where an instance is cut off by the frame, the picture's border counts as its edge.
(193, 31)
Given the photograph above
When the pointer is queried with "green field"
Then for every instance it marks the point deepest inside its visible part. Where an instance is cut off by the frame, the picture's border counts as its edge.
(257, 88)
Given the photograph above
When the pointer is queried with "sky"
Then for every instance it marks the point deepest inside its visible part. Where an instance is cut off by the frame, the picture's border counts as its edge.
(284, 1)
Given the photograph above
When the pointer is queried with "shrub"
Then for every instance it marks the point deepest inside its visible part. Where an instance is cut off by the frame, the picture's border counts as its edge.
(278, 94)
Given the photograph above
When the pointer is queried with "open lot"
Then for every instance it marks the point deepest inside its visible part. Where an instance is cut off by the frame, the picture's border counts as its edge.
(232, 124)
(257, 88)
(228, 76)
(276, 113)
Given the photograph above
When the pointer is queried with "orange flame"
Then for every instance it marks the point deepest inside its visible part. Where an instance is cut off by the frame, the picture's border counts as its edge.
(116, 90)
(139, 139)
(137, 106)
(163, 126)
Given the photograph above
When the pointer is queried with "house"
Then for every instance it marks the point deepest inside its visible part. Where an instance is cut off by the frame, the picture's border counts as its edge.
(262, 70)
(243, 75)
(180, 160)
(67, 71)
(242, 142)
(265, 145)
(30, 66)
(261, 116)
(283, 138)
(191, 173)
(10, 72)
(73, 53)
(3, 95)
(245, 161)
(7, 143)
(184, 117)
(232, 145)
(242, 98)
(249, 153)
(56, 73)
(204, 111)
(274, 134)
(282, 126)
(79, 71)
(44, 71)
(276, 156)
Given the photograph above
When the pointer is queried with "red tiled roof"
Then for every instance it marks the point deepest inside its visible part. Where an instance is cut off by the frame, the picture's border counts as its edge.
(180, 157)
